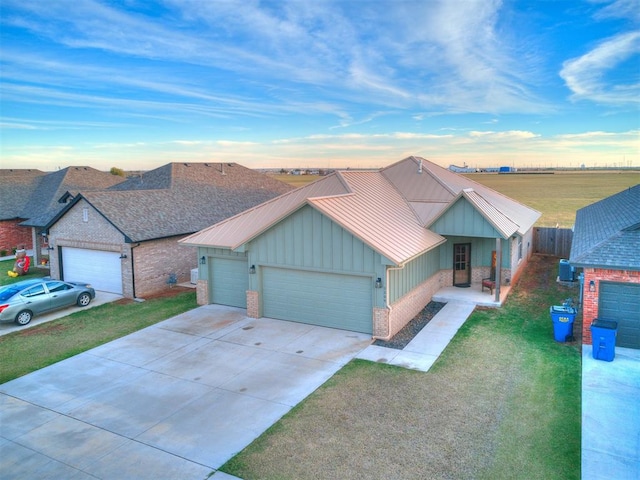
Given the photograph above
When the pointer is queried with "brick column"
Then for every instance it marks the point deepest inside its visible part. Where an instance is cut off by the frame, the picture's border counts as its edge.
(253, 304)
(202, 292)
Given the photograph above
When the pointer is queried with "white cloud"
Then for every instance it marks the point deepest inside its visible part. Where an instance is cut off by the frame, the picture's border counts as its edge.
(586, 76)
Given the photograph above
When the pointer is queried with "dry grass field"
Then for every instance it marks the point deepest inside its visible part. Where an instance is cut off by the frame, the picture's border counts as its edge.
(556, 195)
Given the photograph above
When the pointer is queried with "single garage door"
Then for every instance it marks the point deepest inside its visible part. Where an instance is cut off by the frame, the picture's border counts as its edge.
(621, 302)
(329, 300)
(229, 281)
(103, 270)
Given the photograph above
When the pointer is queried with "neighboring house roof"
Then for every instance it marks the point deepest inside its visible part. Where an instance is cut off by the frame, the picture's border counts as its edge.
(16, 186)
(181, 199)
(378, 207)
(44, 202)
(607, 233)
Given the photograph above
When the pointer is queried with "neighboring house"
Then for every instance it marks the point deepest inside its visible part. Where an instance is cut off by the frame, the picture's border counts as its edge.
(124, 239)
(16, 186)
(606, 244)
(43, 196)
(365, 250)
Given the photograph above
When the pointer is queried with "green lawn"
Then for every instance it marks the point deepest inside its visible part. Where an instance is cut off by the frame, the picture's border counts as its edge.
(503, 401)
(7, 265)
(558, 196)
(36, 347)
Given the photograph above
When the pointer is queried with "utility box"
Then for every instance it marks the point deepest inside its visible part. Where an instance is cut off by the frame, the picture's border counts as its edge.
(566, 271)
(194, 276)
(603, 335)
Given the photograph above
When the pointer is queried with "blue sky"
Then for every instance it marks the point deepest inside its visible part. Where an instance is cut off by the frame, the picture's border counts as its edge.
(136, 84)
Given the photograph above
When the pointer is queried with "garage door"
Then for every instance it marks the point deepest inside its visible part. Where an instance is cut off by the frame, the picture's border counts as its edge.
(229, 281)
(621, 302)
(330, 300)
(103, 270)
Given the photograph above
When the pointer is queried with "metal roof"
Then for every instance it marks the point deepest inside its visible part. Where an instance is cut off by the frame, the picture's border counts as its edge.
(386, 209)
(607, 232)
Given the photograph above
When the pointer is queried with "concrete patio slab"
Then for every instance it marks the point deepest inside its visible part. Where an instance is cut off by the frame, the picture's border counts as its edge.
(611, 415)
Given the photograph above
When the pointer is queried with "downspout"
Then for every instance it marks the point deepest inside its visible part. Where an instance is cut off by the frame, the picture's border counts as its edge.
(133, 272)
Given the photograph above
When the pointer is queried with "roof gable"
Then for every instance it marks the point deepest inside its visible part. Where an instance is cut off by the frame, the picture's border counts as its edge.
(467, 216)
(51, 187)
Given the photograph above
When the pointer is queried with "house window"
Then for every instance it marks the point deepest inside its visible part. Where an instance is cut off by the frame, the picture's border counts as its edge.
(85, 214)
(519, 248)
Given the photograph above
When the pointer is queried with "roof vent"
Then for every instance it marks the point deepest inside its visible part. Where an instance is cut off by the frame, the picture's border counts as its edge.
(420, 166)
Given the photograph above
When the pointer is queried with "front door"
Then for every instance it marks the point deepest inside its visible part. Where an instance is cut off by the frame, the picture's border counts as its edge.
(462, 264)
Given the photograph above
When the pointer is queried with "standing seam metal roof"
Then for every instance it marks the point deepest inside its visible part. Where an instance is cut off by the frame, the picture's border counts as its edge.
(385, 209)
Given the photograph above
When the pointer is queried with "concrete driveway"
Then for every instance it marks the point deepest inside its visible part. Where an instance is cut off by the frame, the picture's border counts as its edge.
(175, 400)
(101, 297)
(611, 416)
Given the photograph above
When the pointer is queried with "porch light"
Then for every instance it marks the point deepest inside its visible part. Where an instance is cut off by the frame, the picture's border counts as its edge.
(252, 269)
(592, 286)
(123, 256)
(203, 260)
(378, 282)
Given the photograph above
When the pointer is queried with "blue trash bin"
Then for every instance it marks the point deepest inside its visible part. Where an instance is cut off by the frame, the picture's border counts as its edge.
(603, 335)
(563, 317)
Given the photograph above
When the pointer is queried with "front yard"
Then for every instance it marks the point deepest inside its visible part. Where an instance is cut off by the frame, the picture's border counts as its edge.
(503, 401)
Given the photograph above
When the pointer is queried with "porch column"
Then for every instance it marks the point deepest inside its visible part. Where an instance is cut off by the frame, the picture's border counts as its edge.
(498, 267)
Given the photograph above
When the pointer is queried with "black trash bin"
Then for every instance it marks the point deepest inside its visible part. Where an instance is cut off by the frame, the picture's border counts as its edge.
(603, 335)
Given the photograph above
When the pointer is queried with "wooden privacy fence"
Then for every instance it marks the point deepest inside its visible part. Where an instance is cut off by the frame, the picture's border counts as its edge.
(552, 241)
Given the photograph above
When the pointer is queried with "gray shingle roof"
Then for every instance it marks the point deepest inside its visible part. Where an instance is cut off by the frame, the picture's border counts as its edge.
(179, 199)
(43, 203)
(16, 187)
(607, 233)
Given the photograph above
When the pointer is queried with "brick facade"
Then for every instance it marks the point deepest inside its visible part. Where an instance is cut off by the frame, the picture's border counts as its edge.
(202, 292)
(590, 299)
(13, 236)
(253, 304)
(152, 262)
(389, 321)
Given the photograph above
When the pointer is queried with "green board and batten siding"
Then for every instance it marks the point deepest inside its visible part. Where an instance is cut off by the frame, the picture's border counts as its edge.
(463, 219)
(620, 302)
(314, 271)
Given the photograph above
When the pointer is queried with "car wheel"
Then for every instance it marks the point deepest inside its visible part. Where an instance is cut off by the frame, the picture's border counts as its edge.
(24, 317)
(84, 299)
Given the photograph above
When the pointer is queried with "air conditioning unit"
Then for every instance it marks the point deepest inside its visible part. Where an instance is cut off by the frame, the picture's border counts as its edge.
(194, 276)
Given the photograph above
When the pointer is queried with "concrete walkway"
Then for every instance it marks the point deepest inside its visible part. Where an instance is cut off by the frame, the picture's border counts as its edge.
(611, 416)
(425, 348)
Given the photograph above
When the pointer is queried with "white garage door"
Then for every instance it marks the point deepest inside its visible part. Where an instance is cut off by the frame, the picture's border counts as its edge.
(103, 270)
(327, 299)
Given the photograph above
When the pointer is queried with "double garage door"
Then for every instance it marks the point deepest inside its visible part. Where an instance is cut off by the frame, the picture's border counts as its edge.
(330, 300)
(103, 270)
(621, 302)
